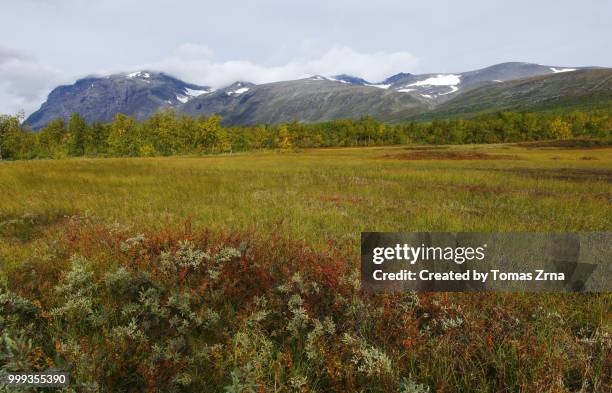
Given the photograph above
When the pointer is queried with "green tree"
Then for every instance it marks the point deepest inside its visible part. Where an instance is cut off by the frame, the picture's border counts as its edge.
(9, 128)
(207, 133)
(283, 140)
(96, 142)
(77, 131)
(578, 121)
(52, 138)
(162, 132)
(222, 142)
(560, 129)
(123, 138)
(257, 137)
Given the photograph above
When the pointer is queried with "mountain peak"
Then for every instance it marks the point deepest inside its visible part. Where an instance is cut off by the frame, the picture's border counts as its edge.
(99, 98)
(239, 84)
(396, 78)
(317, 78)
(139, 74)
(237, 88)
(350, 79)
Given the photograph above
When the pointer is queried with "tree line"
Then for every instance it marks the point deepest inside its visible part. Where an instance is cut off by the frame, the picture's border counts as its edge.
(172, 133)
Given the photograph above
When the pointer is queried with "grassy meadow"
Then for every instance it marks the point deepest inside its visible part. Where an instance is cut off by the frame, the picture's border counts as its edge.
(247, 263)
(318, 195)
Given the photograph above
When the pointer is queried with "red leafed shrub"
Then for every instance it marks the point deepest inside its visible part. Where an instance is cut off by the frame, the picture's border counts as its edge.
(189, 310)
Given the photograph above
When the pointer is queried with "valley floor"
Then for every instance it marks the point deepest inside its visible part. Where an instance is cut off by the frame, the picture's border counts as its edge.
(317, 195)
(288, 225)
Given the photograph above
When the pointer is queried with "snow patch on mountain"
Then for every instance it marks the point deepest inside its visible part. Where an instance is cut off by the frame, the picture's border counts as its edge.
(439, 80)
(191, 93)
(238, 91)
(557, 70)
(331, 78)
(195, 93)
(380, 86)
(139, 74)
(452, 90)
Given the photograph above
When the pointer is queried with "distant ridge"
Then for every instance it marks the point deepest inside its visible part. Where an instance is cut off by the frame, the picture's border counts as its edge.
(507, 85)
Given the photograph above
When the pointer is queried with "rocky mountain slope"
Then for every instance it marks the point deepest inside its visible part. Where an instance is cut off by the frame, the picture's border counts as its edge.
(579, 89)
(318, 98)
(309, 100)
(138, 94)
(439, 88)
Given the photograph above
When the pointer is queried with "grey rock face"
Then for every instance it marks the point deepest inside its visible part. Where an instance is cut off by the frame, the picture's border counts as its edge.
(138, 94)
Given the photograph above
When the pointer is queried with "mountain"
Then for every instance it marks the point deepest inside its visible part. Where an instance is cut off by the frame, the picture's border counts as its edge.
(138, 94)
(442, 87)
(399, 97)
(308, 100)
(577, 89)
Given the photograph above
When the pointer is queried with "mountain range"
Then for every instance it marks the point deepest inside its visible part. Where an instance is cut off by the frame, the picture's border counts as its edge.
(515, 85)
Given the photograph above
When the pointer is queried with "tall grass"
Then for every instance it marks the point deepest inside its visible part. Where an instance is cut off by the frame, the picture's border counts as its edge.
(324, 194)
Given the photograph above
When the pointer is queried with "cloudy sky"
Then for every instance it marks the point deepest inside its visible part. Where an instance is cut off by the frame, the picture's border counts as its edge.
(47, 42)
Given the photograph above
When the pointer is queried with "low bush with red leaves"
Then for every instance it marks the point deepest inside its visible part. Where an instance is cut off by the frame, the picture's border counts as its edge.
(195, 311)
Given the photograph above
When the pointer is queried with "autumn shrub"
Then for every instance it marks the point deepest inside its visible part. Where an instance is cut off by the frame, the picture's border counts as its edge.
(195, 311)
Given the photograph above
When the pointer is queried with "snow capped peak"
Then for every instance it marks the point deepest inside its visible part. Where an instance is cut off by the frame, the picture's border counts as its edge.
(317, 78)
(139, 74)
(558, 70)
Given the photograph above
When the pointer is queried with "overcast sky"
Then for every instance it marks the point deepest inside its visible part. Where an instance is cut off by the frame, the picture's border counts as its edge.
(47, 42)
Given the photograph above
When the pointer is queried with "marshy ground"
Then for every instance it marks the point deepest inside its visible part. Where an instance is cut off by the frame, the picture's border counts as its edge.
(318, 195)
(142, 271)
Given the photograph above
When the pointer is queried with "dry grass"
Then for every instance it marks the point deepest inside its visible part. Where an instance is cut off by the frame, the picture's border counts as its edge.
(446, 155)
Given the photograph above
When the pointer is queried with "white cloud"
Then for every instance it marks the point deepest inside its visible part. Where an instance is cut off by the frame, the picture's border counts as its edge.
(196, 63)
(24, 82)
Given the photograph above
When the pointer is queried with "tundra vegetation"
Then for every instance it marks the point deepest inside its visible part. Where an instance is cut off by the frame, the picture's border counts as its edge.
(239, 272)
